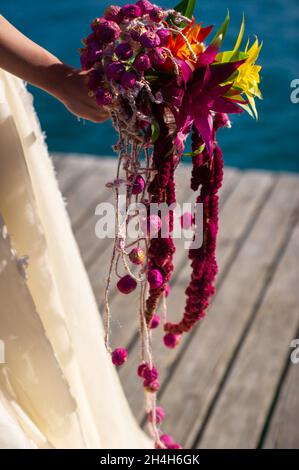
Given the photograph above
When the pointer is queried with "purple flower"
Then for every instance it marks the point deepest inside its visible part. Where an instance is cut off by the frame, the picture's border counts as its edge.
(114, 13)
(137, 31)
(150, 39)
(145, 6)
(85, 61)
(106, 31)
(124, 51)
(131, 11)
(94, 51)
(119, 356)
(155, 278)
(164, 36)
(158, 56)
(128, 79)
(114, 70)
(157, 14)
(142, 63)
(103, 97)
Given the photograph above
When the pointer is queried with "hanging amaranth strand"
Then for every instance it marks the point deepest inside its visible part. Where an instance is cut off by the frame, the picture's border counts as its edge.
(152, 70)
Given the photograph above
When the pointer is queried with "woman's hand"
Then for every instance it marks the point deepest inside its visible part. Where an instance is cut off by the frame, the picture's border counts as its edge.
(71, 89)
(34, 64)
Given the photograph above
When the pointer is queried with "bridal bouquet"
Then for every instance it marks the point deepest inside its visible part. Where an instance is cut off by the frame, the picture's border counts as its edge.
(163, 80)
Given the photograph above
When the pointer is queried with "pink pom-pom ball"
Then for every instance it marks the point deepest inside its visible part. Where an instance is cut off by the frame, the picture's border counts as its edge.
(155, 322)
(103, 97)
(142, 63)
(167, 439)
(164, 36)
(187, 220)
(114, 70)
(119, 356)
(126, 284)
(141, 370)
(160, 415)
(171, 340)
(151, 387)
(106, 31)
(114, 13)
(138, 184)
(131, 11)
(157, 14)
(137, 256)
(150, 374)
(128, 80)
(155, 278)
(145, 6)
(124, 51)
(150, 39)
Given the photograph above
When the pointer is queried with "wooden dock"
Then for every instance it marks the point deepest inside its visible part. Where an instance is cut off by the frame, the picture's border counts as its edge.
(231, 383)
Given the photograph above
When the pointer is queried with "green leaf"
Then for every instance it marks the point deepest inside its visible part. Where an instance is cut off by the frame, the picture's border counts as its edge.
(221, 33)
(186, 7)
(155, 131)
(196, 152)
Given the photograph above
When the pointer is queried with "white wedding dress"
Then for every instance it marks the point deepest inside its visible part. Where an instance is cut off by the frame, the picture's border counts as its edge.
(58, 388)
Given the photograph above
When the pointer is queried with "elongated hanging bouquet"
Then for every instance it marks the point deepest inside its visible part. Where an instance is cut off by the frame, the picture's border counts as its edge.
(163, 81)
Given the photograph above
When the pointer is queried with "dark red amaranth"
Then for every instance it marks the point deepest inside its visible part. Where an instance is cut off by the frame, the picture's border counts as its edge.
(207, 174)
(162, 190)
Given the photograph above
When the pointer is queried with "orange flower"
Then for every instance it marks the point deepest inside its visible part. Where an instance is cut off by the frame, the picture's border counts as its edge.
(195, 35)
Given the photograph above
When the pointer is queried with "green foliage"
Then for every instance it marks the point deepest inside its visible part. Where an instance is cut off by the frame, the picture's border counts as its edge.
(186, 7)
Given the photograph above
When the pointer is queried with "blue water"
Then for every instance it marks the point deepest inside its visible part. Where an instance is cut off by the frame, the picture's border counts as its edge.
(270, 143)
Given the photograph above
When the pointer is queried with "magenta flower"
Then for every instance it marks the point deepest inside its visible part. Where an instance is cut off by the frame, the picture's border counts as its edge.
(124, 51)
(128, 80)
(155, 322)
(114, 70)
(205, 95)
(145, 6)
(106, 31)
(164, 36)
(150, 39)
(131, 11)
(114, 13)
(155, 278)
(126, 284)
(142, 63)
(158, 56)
(157, 14)
(119, 356)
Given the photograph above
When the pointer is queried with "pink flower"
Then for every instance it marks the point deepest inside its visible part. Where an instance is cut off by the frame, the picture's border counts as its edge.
(106, 31)
(131, 11)
(119, 356)
(158, 56)
(141, 370)
(142, 63)
(137, 256)
(155, 278)
(114, 13)
(156, 14)
(103, 97)
(164, 36)
(126, 284)
(128, 80)
(145, 6)
(124, 51)
(150, 39)
(151, 387)
(150, 374)
(114, 70)
(171, 340)
(138, 184)
(155, 322)
(160, 415)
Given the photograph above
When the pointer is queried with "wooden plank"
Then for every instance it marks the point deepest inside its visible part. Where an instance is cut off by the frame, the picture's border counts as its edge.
(166, 359)
(242, 408)
(210, 350)
(283, 431)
